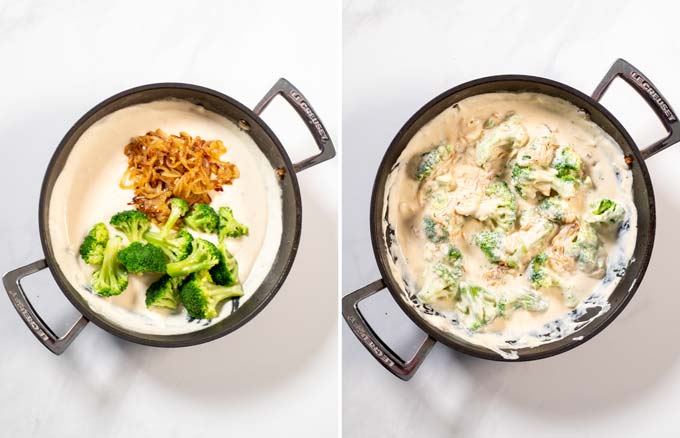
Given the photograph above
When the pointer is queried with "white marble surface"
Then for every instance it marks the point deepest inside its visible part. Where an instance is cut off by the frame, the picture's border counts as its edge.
(278, 375)
(397, 56)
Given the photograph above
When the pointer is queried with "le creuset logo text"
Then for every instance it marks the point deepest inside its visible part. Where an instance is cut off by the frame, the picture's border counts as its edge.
(22, 310)
(366, 339)
(637, 77)
(310, 114)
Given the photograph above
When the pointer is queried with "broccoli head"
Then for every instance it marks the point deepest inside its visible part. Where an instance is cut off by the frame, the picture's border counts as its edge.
(557, 210)
(491, 244)
(201, 296)
(112, 278)
(92, 248)
(164, 292)
(495, 144)
(141, 257)
(225, 272)
(478, 307)
(539, 152)
(586, 248)
(202, 218)
(176, 246)
(606, 215)
(529, 300)
(540, 274)
(568, 163)
(178, 208)
(441, 280)
(430, 160)
(228, 226)
(434, 231)
(131, 222)
(204, 255)
(499, 207)
(529, 180)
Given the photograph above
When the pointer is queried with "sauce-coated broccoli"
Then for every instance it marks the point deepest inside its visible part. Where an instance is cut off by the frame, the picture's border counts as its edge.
(606, 215)
(112, 278)
(557, 210)
(588, 252)
(204, 255)
(435, 231)
(478, 307)
(491, 244)
(202, 218)
(495, 143)
(499, 207)
(430, 160)
(441, 280)
(141, 257)
(201, 296)
(131, 222)
(228, 225)
(92, 248)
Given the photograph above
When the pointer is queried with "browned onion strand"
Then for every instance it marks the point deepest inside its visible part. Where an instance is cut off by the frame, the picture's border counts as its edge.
(162, 166)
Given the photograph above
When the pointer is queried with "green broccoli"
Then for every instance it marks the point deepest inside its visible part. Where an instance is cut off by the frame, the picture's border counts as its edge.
(434, 231)
(202, 218)
(540, 274)
(441, 280)
(588, 252)
(537, 153)
(499, 207)
(606, 215)
(228, 226)
(491, 244)
(568, 163)
(131, 222)
(201, 296)
(164, 292)
(528, 180)
(225, 272)
(529, 300)
(496, 143)
(430, 160)
(178, 208)
(204, 256)
(478, 307)
(556, 209)
(92, 248)
(176, 246)
(112, 278)
(141, 257)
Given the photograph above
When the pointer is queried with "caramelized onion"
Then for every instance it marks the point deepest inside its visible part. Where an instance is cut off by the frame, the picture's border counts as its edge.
(162, 166)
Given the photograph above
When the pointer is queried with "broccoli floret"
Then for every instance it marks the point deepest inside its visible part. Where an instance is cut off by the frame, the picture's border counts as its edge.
(568, 164)
(434, 231)
(225, 272)
(178, 208)
(478, 307)
(588, 252)
(92, 248)
(164, 292)
(176, 246)
(529, 300)
(497, 142)
(131, 222)
(204, 255)
(201, 296)
(499, 207)
(141, 257)
(491, 244)
(430, 160)
(606, 215)
(202, 218)
(112, 278)
(228, 226)
(529, 180)
(556, 209)
(540, 274)
(441, 280)
(539, 152)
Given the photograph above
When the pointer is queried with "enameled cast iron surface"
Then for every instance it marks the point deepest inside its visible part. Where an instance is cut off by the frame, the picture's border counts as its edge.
(268, 144)
(642, 193)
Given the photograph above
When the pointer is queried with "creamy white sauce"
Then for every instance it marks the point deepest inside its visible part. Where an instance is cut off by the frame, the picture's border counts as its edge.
(87, 192)
(459, 126)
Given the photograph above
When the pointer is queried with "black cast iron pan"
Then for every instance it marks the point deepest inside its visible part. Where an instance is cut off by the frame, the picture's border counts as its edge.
(247, 120)
(642, 193)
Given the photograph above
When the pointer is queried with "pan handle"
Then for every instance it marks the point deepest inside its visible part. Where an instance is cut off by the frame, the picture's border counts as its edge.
(298, 101)
(380, 351)
(651, 95)
(54, 343)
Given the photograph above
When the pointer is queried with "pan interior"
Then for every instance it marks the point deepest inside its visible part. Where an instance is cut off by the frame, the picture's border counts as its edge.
(643, 199)
(84, 178)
